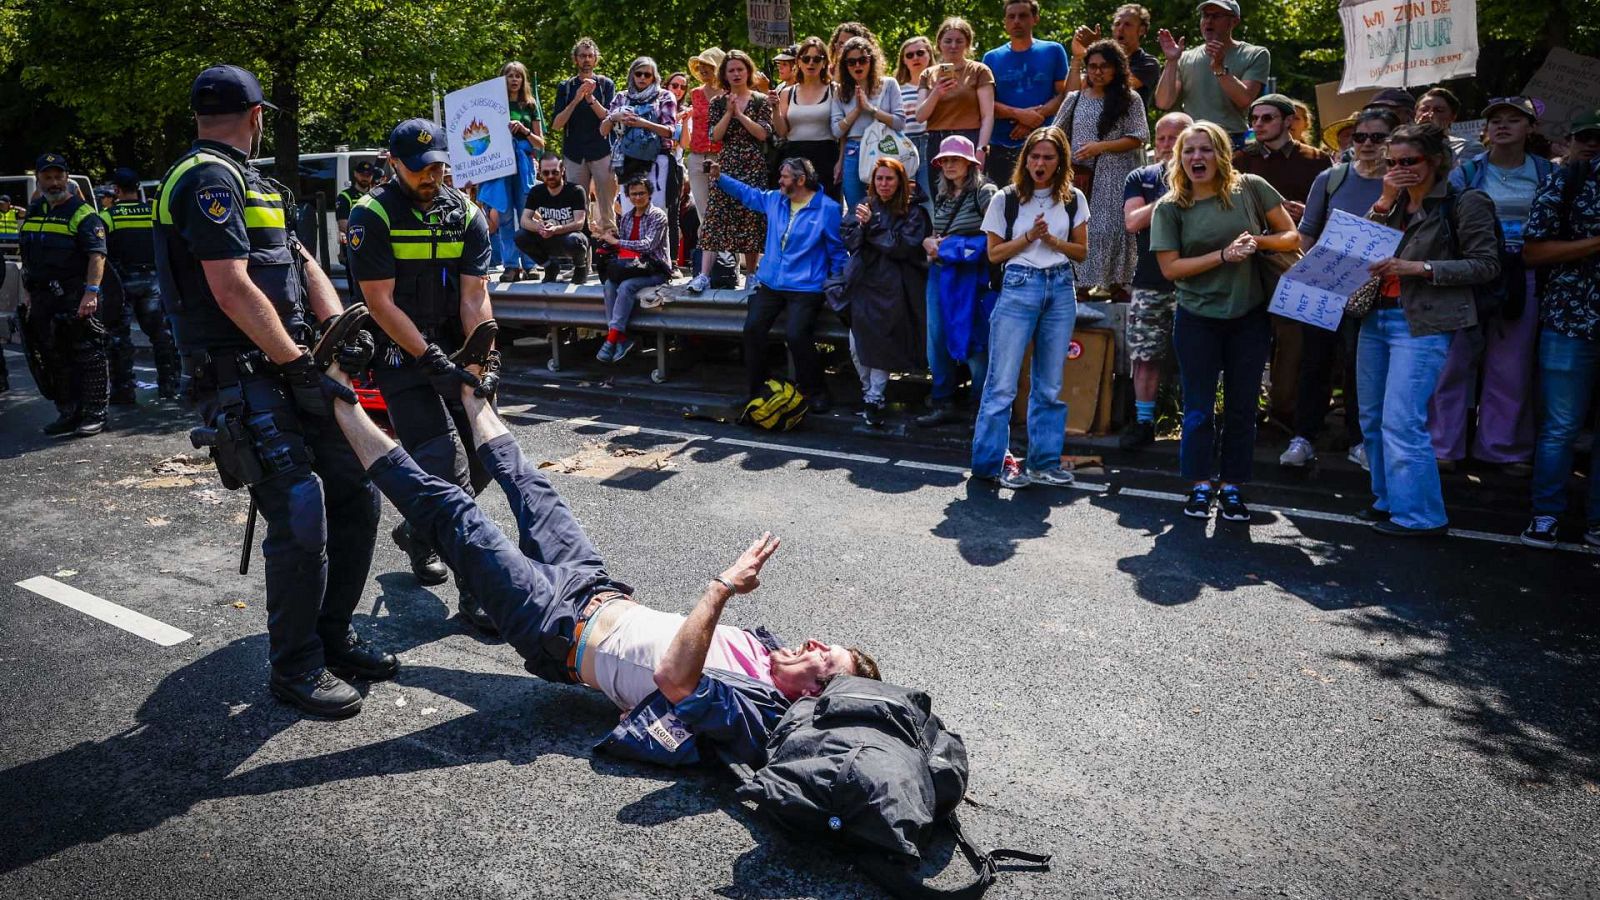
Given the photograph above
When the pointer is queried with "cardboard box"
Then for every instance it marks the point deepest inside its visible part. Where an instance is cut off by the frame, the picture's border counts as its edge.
(1085, 382)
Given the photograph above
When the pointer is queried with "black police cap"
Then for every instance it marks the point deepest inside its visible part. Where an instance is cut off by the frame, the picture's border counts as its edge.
(418, 143)
(125, 178)
(50, 161)
(226, 89)
(364, 167)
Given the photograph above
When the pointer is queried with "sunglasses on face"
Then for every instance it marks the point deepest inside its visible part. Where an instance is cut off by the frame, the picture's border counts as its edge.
(813, 60)
(1369, 137)
(1100, 67)
(858, 61)
(913, 54)
(1406, 162)
(1265, 117)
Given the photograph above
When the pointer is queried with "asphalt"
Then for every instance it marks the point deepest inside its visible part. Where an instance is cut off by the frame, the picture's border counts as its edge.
(1297, 708)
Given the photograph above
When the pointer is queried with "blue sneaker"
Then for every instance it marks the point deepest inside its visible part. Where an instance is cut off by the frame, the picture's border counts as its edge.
(608, 352)
(623, 349)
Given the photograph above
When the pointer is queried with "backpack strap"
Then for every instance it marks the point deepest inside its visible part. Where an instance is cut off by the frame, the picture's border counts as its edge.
(900, 881)
(1013, 207)
(1336, 176)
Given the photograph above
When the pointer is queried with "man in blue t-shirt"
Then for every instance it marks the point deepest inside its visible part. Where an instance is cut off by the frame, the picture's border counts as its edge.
(1030, 78)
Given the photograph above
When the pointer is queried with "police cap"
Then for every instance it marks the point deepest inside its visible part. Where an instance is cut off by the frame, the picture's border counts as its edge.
(226, 89)
(50, 161)
(364, 167)
(125, 178)
(105, 190)
(417, 143)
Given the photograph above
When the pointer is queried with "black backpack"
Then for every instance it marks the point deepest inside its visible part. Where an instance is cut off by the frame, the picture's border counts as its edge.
(868, 769)
(1507, 295)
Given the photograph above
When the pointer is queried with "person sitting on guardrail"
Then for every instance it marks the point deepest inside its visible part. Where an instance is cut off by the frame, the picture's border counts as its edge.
(553, 221)
(641, 262)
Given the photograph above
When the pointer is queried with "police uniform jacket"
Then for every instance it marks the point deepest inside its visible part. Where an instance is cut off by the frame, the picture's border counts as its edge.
(426, 252)
(129, 241)
(56, 243)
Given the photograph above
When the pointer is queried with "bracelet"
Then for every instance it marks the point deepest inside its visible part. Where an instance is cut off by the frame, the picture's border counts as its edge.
(725, 583)
(1223, 254)
(92, 288)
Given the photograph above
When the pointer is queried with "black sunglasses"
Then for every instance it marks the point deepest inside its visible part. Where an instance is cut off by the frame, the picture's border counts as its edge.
(857, 61)
(813, 59)
(912, 54)
(1406, 162)
(1369, 137)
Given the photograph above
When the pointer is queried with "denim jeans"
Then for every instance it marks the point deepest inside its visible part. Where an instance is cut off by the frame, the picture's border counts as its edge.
(622, 293)
(1397, 375)
(942, 366)
(1037, 306)
(850, 183)
(1568, 368)
(1237, 350)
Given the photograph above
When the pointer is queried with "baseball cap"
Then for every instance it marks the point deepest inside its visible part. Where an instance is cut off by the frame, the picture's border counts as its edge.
(125, 178)
(364, 167)
(787, 54)
(1276, 101)
(5, 198)
(1589, 121)
(50, 161)
(417, 144)
(1231, 6)
(226, 89)
(1393, 97)
(105, 190)
(1520, 104)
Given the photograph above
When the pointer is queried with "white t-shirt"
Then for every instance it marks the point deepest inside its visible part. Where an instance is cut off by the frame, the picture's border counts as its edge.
(1036, 255)
(625, 659)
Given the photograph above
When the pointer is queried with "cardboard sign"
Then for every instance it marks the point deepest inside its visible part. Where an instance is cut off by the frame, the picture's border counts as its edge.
(1315, 289)
(477, 121)
(1334, 105)
(1569, 85)
(769, 22)
(1400, 43)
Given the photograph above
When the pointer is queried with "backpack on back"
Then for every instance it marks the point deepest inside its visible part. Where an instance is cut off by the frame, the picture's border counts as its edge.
(1507, 294)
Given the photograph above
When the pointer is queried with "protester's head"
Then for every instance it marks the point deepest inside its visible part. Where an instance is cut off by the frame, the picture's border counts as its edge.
(845, 32)
(417, 149)
(954, 39)
(1508, 121)
(1584, 137)
(643, 74)
(785, 60)
(860, 65)
(891, 186)
(805, 670)
(811, 61)
(585, 54)
(1421, 149)
(796, 176)
(1045, 164)
(1370, 134)
(678, 85)
(704, 67)
(1396, 100)
(957, 160)
(737, 72)
(1129, 24)
(1269, 116)
(1167, 130)
(638, 191)
(1021, 18)
(1203, 158)
(1218, 18)
(551, 171)
(1301, 122)
(1439, 106)
(916, 53)
(519, 87)
(1336, 135)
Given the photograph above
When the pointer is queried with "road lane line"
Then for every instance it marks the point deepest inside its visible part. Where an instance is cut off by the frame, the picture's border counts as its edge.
(806, 451)
(930, 467)
(106, 611)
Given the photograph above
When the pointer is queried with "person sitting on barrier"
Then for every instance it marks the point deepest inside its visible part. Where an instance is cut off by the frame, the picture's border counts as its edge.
(553, 222)
(691, 687)
(641, 262)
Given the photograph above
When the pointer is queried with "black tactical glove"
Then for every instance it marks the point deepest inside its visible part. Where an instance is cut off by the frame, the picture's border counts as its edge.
(355, 355)
(446, 377)
(489, 379)
(314, 391)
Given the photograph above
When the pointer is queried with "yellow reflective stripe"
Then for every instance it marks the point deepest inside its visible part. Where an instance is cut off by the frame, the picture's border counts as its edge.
(263, 217)
(164, 195)
(369, 203)
(126, 222)
(51, 227)
(442, 250)
(256, 195)
(78, 215)
(411, 232)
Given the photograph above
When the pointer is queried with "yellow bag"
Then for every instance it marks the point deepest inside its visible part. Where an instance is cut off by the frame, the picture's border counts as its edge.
(781, 408)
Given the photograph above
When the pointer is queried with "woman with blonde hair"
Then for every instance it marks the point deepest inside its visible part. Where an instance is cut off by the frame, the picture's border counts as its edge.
(916, 56)
(1206, 234)
(956, 95)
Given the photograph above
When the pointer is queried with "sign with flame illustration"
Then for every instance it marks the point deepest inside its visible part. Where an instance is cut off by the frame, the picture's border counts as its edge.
(477, 119)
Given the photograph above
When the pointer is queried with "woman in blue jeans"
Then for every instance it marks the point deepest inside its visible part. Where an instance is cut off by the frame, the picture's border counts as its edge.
(1205, 234)
(1048, 233)
(1426, 296)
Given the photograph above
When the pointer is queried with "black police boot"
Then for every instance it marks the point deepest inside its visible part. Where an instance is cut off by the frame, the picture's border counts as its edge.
(93, 422)
(318, 692)
(64, 424)
(425, 563)
(354, 657)
(471, 610)
(169, 388)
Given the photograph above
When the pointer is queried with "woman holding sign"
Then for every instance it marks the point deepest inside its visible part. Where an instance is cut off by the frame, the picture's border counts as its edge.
(504, 196)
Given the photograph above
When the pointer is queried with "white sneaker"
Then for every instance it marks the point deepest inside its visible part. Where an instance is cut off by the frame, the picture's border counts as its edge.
(1299, 453)
(1358, 455)
(699, 283)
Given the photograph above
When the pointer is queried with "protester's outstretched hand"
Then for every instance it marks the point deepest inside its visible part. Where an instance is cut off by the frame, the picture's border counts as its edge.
(745, 574)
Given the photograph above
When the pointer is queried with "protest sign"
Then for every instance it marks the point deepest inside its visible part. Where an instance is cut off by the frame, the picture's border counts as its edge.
(1468, 130)
(1400, 43)
(1569, 85)
(477, 120)
(1315, 289)
(769, 22)
(1334, 105)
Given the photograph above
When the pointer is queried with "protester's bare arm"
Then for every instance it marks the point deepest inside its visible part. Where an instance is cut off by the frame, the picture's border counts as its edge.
(320, 293)
(680, 669)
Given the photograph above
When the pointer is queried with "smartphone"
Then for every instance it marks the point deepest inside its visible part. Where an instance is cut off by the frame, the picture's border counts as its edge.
(706, 167)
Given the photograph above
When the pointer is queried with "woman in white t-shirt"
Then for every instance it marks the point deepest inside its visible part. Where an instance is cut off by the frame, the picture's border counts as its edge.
(1036, 306)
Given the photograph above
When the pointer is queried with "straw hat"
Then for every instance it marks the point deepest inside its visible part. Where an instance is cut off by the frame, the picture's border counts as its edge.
(711, 58)
(1330, 134)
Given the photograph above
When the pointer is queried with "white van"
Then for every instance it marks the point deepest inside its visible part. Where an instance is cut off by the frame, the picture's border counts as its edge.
(327, 173)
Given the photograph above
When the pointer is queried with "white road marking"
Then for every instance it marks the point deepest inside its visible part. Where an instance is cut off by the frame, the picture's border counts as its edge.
(106, 611)
(806, 451)
(930, 467)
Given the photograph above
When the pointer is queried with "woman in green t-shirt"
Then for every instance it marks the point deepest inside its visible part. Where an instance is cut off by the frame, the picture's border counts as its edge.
(1204, 233)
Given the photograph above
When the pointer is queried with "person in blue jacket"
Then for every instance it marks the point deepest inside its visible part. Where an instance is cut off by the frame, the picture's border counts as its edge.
(802, 251)
(692, 688)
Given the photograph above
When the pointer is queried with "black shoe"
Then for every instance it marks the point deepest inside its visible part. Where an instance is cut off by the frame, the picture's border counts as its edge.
(92, 423)
(1198, 506)
(1137, 435)
(942, 414)
(168, 391)
(1393, 529)
(355, 657)
(425, 563)
(318, 692)
(1373, 514)
(471, 610)
(479, 344)
(1230, 506)
(124, 397)
(64, 425)
(874, 413)
(551, 270)
(580, 274)
(340, 329)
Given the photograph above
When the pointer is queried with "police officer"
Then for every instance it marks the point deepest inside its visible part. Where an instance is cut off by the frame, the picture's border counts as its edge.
(104, 196)
(360, 184)
(242, 294)
(131, 250)
(63, 244)
(10, 220)
(421, 252)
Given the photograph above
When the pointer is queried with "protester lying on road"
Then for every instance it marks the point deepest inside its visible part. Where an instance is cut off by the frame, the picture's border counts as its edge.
(684, 680)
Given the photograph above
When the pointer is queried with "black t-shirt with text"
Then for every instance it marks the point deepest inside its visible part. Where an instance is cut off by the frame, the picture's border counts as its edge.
(559, 208)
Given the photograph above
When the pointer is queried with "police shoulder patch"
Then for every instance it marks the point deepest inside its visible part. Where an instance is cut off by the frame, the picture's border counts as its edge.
(356, 234)
(216, 203)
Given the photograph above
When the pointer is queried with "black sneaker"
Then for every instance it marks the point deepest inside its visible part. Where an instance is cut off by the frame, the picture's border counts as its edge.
(1372, 515)
(941, 414)
(1198, 505)
(1540, 533)
(473, 611)
(873, 412)
(355, 657)
(318, 692)
(1230, 506)
(1136, 435)
(91, 424)
(580, 274)
(425, 563)
(552, 269)
(1394, 529)
(340, 329)
(63, 425)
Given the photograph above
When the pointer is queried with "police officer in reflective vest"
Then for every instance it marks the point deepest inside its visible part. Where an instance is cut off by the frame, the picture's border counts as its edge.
(420, 249)
(360, 184)
(63, 243)
(131, 249)
(10, 220)
(242, 295)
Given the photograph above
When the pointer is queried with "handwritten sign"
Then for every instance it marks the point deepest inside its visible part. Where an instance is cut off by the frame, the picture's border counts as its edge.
(477, 120)
(769, 22)
(1569, 85)
(1315, 289)
(1400, 43)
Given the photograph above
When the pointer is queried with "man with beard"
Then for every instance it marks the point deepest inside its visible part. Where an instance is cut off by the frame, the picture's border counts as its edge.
(1215, 82)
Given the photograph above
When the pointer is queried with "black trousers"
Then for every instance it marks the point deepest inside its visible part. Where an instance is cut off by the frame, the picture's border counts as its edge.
(800, 333)
(1318, 346)
(1001, 164)
(574, 246)
(73, 348)
(142, 303)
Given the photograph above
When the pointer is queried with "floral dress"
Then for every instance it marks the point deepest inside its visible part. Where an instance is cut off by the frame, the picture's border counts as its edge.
(730, 226)
(1113, 252)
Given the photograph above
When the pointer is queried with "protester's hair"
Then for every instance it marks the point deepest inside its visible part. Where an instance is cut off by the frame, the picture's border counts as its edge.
(683, 75)
(800, 71)
(1377, 114)
(749, 68)
(864, 665)
(1061, 187)
(526, 94)
(900, 200)
(637, 180)
(847, 81)
(806, 170)
(548, 155)
(1428, 138)
(1303, 110)
(1180, 188)
(1033, 6)
(1119, 96)
(1133, 9)
(902, 72)
(1448, 96)
(847, 30)
(956, 23)
(644, 62)
(973, 181)
(586, 42)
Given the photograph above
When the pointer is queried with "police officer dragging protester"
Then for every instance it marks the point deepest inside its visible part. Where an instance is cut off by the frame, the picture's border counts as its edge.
(420, 249)
(243, 295)
(131, 250)
(63, 244)
(360, 184)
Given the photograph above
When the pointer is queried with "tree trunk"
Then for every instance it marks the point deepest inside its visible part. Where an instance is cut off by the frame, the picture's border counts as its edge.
(286, 123)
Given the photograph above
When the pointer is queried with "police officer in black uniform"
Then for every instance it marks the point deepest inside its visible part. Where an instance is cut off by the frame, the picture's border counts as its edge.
(420, 249)
(243, 294)
(359, 186)
(63, 244)
(131, 250)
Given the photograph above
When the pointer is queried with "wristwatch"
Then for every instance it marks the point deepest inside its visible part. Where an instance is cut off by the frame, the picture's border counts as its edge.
(1427, 271)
